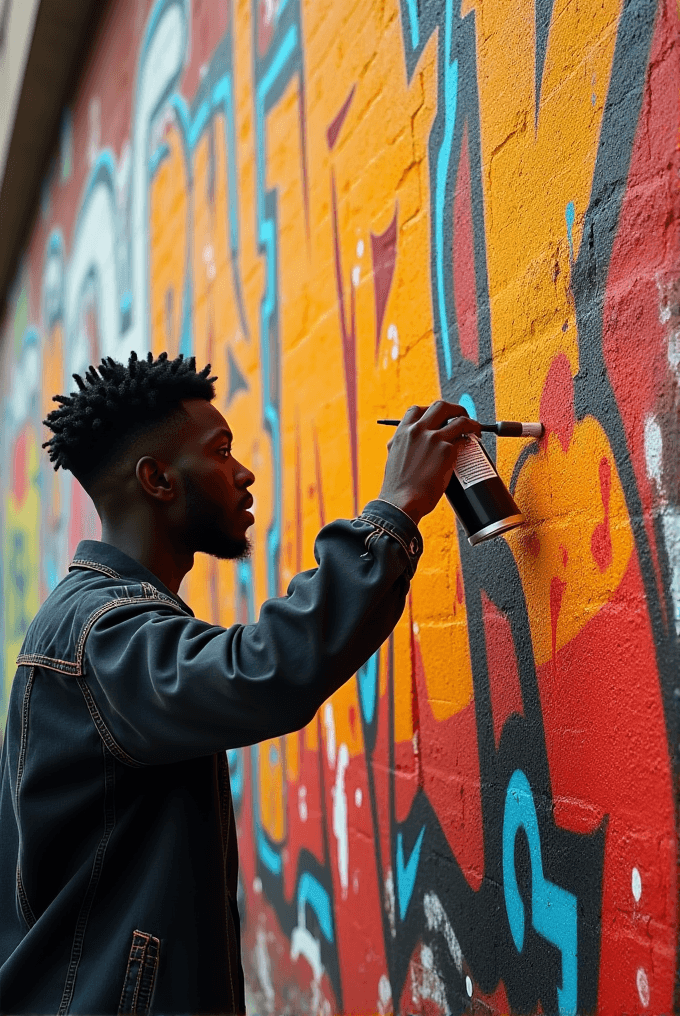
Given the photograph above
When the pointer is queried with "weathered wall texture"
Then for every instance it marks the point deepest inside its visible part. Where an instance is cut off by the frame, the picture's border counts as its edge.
(348, 207)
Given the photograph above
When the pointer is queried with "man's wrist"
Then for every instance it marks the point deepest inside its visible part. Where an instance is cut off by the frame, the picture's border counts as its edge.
(407, 510)
(397, 523)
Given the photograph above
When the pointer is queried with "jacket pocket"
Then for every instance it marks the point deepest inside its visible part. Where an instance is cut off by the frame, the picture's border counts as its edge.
(140, 975)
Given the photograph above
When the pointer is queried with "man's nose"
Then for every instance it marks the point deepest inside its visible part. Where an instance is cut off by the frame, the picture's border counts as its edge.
(244, 477)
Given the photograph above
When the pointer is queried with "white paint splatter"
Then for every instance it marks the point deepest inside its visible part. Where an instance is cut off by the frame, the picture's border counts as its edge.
(360, 249)
(123, 181)
(26, 384)
(302, 803)
(671, 532)
(209, 261)
(257, 884)
(431, 984)
(340, 818)
(358, 797)
(384, 996)
(264, 970)
(669, 315)
(390, 902)
(416, 628)
(642, 986)
(674, 350)
(303, 943)
(329, 723)
(468, 986)
(392, 333)
(53, 284)
(271, 8)
(636, 885)
(355, 883)
(437, 920)
(356, 275)
(670, 513)
(653, 450)
(395, 351)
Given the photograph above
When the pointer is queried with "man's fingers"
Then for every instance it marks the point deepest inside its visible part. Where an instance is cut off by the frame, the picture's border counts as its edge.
(413, 413)
(458, 426)
(439, 412)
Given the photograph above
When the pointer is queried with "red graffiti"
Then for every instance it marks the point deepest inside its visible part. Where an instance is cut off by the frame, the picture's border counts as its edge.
(601, 540)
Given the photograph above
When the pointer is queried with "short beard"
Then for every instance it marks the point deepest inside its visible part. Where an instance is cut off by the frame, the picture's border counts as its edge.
(225, 548)
(206, 536)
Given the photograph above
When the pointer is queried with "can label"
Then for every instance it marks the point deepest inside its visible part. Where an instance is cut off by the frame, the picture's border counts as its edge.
(472, 466)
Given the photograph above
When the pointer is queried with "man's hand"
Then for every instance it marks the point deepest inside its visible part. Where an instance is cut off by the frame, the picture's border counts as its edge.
(422, 455)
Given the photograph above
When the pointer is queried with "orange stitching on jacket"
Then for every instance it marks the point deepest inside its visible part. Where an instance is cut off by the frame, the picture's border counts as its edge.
(107, 737)
(24, 658)
(93, 566)
(124, 601)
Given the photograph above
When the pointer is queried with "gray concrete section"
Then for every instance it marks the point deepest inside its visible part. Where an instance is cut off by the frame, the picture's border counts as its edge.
(17, 21)
(62, 38)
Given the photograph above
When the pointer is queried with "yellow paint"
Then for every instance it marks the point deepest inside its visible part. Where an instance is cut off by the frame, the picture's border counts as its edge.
(292, 749)
(440, 616)
(525, 213)
(271, 776)
(403, 699)
(52, 371)
(530, 173)
(168, 236)
(557, 490)
(21, 554)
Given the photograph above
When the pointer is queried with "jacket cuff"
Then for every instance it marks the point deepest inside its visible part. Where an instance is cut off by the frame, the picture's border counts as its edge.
(397, 524)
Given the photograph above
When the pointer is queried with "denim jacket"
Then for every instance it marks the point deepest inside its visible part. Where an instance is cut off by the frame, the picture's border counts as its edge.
(118, 855)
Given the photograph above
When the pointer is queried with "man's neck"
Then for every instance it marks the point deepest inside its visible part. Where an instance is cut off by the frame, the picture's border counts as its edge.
(152, 549)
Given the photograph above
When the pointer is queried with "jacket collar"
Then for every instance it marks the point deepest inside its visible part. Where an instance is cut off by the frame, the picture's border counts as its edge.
(94, 552)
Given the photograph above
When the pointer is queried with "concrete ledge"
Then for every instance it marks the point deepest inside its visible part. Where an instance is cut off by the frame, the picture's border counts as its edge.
(64, 31)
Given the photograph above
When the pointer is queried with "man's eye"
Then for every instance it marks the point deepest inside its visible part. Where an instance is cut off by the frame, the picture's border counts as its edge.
(226, 450)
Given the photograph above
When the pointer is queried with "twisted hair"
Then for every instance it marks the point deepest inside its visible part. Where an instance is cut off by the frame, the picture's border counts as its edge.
(115, 403)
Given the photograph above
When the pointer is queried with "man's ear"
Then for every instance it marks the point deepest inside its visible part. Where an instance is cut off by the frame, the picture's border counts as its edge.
(154, 479)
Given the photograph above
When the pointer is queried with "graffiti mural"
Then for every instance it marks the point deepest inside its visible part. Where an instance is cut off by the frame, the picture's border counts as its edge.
(349, 208)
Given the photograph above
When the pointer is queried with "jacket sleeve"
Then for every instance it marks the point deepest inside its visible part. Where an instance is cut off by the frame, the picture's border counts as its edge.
(169, 686)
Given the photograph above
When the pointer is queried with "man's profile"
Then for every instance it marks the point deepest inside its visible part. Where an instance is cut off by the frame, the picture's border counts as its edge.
(118, 855)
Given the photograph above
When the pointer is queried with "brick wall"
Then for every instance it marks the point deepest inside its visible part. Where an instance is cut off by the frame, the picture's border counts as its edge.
(347, 208)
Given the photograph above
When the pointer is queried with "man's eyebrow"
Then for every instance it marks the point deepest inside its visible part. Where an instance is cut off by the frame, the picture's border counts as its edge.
(223, 432)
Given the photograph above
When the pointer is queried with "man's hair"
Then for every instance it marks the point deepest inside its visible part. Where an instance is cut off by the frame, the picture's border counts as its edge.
(115, 403)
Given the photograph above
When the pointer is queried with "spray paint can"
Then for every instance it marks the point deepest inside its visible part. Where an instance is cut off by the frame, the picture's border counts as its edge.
(478, 496)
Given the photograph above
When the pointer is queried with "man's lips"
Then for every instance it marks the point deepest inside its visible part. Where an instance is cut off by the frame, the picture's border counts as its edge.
(247, 502)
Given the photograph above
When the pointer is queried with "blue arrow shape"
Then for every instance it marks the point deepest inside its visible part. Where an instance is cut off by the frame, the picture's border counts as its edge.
(406, 874)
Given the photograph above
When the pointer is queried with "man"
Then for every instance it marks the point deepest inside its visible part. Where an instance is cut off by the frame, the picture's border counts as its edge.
(118, 859)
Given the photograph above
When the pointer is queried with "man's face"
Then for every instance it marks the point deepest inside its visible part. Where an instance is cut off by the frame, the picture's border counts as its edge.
(215, 485)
